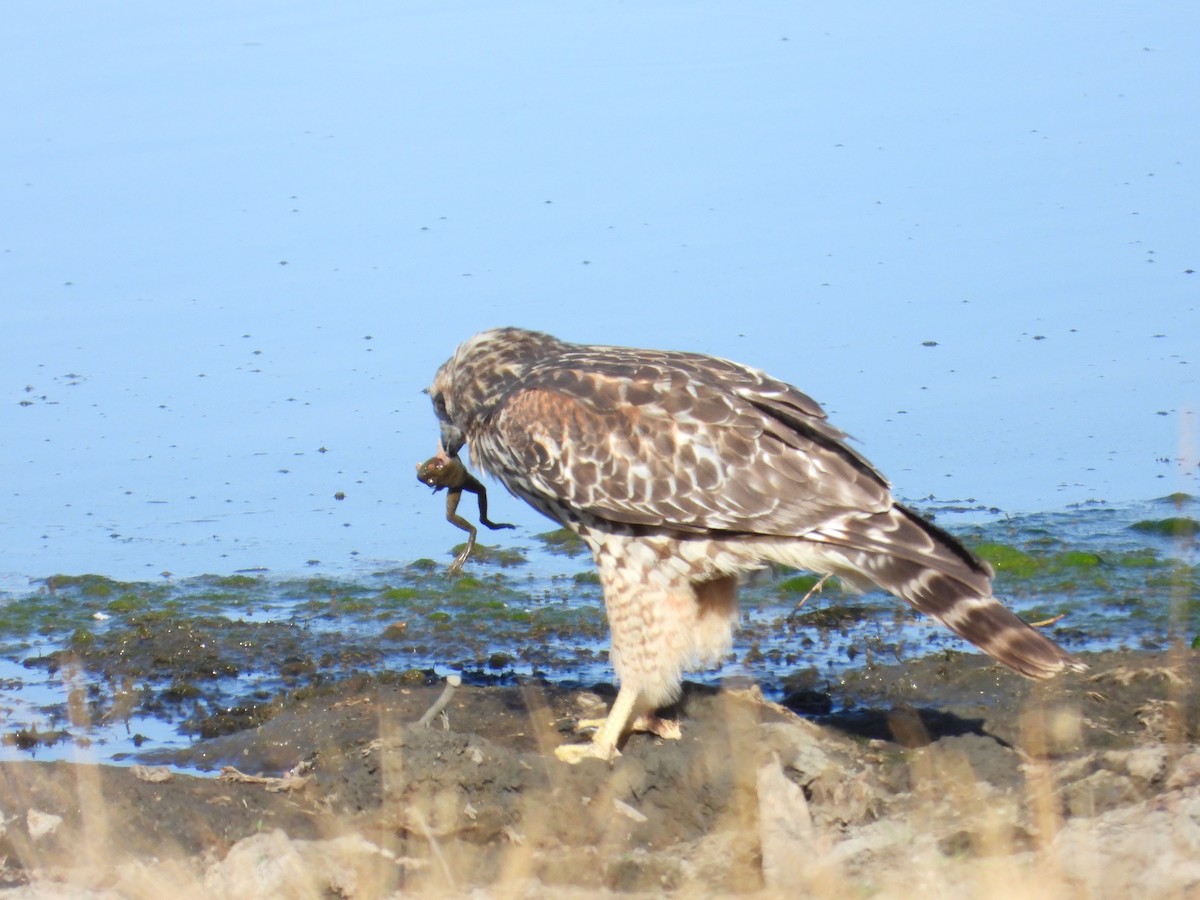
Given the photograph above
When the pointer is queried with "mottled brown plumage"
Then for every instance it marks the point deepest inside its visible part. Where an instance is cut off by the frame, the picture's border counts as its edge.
(681, 471)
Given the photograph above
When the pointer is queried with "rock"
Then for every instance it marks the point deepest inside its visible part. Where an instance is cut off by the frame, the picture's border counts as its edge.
(274, 865)
(1186, 772)
(1145, 763)
(41, 824)
(1099, 792)
(784, 824)
(797, 745)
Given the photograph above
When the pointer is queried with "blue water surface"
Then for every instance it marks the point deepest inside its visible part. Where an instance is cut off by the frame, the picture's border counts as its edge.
(238, 239)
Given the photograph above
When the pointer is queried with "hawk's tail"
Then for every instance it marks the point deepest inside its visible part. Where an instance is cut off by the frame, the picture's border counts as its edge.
(935, 574)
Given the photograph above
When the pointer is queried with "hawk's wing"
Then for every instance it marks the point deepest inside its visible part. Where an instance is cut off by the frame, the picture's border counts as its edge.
(675, 439)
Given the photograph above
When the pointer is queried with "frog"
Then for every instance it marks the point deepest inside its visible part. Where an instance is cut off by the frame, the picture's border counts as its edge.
(444, 471)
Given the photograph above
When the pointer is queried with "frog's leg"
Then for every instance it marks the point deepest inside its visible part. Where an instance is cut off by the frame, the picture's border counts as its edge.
(473, 484)
(452, 498)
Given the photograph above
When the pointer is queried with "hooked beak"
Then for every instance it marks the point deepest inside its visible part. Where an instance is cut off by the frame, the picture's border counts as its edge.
(452, 440)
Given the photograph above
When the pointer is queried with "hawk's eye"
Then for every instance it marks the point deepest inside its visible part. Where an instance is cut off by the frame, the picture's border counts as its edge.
(439, 406)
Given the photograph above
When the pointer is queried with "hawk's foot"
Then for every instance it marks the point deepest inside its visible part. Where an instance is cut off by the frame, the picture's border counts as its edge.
(667, 729)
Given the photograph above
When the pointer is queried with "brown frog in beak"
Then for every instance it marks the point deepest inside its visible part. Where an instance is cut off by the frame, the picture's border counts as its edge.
(442, 471)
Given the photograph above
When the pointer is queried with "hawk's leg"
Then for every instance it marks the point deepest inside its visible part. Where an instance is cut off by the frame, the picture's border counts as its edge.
(604, 743)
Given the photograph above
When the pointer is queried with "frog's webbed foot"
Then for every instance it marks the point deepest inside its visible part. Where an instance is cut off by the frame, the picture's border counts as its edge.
(495, 526)
(457, 565)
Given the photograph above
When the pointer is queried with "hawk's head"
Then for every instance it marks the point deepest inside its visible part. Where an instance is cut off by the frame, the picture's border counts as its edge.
(481, 372)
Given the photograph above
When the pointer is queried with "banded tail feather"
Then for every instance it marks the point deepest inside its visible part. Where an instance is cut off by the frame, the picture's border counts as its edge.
(936, 575)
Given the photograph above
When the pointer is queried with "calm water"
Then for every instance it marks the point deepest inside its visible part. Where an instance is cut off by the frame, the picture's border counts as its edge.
(237, 243)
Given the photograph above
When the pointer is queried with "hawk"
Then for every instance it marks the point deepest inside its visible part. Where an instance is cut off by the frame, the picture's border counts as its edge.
(680, 472)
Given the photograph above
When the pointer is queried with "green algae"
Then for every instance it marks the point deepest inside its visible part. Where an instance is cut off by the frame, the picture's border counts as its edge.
(321, 587)
(128, 602)
(1172, 526)
(798, 584)
(467, 584)
(236, 582)
(1137, 559)
(1074, 559)
(1008, 560)
(86, 585)
(484, 554)
(563, 541)
(399, 595)
(804, 584)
